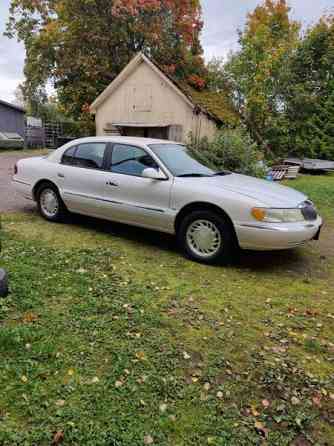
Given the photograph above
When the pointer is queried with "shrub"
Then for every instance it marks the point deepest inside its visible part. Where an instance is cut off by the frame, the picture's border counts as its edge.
(232, 149)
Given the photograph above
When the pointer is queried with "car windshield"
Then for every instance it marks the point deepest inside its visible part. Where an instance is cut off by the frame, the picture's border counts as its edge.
(180, 162)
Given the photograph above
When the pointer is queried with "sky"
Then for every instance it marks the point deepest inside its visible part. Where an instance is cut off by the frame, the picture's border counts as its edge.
(222, 20)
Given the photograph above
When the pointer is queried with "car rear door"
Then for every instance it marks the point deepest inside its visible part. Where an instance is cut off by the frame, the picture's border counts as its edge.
(132, 198)
(82, 178)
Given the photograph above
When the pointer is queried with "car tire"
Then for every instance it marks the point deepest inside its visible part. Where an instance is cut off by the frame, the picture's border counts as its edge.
(207, 237)
(50, 205)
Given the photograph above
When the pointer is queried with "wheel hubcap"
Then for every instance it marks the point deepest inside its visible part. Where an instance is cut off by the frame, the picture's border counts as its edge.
(49, 202)
(204, 238)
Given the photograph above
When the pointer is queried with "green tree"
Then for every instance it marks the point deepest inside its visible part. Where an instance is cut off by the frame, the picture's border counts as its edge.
(309, 95)
(258, 73)
(217, 79)
(81, 45)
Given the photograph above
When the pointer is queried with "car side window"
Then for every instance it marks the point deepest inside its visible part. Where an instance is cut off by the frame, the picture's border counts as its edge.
(130, 160)
(90, 155)
(68, 157)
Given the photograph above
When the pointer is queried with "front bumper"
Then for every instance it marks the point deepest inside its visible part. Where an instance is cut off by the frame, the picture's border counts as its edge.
(270, 236)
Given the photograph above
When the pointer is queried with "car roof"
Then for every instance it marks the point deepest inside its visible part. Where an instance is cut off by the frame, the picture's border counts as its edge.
(56, 155)
(124, 140)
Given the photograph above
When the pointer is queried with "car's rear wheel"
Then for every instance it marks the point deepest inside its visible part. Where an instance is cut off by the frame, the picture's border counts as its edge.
(50, 204)
(207, 237)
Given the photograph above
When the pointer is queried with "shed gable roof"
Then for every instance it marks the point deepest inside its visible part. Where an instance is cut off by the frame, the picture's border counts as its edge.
(127, 71)
(215, 105)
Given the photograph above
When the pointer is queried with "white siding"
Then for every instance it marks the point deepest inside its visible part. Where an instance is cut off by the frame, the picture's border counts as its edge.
(146, 98)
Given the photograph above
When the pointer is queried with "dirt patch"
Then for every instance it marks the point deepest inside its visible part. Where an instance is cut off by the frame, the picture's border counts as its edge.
(10, 201)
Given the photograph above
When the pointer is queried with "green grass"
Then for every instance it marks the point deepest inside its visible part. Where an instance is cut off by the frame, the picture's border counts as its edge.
(110, 336)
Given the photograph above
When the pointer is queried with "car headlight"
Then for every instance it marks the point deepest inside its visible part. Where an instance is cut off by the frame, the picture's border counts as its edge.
(272, 215)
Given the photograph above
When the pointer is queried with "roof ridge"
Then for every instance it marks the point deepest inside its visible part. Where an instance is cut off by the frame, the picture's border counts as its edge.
(14, 106)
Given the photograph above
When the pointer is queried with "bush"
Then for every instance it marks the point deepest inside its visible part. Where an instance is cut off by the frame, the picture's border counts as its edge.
(232, 149)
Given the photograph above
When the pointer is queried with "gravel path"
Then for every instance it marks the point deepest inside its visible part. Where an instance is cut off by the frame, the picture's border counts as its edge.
(9, 200)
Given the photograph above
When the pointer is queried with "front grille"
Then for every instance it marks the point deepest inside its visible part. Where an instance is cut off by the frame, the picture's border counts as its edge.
(309, 212)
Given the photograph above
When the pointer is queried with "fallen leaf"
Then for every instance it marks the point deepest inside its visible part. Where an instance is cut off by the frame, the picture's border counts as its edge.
(317, 400)
(29, 318)
(70, 372)
(186, 355)
(58, 437)
(141, 356)
(148, 439)
(207, 386)
(95, 380)
(220, 395)
(118, 384)
(265, 403)
(163, 407)
(261, 429)
(254, 411)
(60, 403)
(295, 401)
(81, 271)
(24, 379)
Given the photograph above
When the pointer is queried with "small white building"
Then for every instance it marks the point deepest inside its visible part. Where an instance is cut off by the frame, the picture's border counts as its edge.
(145, 101)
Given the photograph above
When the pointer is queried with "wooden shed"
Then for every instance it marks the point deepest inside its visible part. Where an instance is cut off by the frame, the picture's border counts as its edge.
(145, 101)
(12, 118)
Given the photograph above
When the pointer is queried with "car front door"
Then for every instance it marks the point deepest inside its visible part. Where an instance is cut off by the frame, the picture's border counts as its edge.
(82, 178)
(134, 199)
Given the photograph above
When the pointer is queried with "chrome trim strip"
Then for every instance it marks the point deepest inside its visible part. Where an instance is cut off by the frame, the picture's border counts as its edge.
(21, 182)
(114, 202)
(259, 227)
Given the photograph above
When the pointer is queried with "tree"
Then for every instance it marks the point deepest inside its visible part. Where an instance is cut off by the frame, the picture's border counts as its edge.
(19, 96)
(257, 74)
(217, 79)
(309, 95)
(82, 45)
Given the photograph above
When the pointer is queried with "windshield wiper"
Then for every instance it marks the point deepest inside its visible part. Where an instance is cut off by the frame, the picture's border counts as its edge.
(222, 173)
(193, 175)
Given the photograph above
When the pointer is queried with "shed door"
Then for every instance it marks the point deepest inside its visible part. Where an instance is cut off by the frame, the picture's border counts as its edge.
(175, 133)
(139, 98)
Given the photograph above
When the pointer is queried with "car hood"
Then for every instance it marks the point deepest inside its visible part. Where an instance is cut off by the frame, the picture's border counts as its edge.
(266, 192)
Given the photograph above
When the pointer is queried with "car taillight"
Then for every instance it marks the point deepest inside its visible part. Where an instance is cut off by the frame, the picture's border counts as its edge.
(15, 169)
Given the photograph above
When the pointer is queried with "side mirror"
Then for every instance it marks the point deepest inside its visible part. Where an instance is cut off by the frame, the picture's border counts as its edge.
(153, 174)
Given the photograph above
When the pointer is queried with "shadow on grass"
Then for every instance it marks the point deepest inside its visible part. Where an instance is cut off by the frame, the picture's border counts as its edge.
(298, 262)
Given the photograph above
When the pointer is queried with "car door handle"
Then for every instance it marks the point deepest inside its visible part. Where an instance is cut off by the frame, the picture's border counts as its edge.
(61, 175)
(112, 184)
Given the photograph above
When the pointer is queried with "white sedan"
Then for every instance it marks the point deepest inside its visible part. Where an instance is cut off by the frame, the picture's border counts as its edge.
(157, 184)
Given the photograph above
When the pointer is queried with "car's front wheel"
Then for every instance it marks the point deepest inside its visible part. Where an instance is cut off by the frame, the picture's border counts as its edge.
(50, 204)
(207, 237)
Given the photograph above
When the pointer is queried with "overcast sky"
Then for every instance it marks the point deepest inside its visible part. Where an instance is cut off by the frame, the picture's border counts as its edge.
(222, 20)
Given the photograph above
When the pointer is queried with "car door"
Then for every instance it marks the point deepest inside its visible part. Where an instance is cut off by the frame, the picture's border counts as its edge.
(82, 178)
(134, 199)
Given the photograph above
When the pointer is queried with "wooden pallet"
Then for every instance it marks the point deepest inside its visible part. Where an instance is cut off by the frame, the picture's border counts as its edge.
(292, 172)
(278, 172)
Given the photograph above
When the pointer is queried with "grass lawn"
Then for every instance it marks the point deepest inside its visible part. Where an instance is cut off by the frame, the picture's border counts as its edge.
(110, 337)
